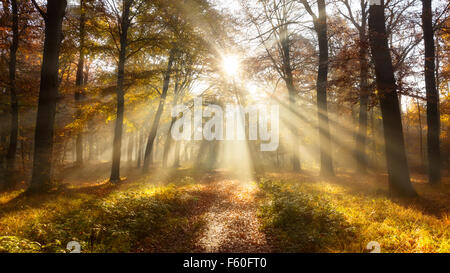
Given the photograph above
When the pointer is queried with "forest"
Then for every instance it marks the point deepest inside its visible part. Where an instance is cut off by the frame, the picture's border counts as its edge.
(214, 126)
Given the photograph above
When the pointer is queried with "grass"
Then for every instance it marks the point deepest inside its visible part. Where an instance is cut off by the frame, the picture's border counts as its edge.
(344, 215)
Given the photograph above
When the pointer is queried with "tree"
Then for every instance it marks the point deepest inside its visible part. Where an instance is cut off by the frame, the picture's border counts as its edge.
(184, 76)
(79, 81)
(274, 22)
(159, 111)
(397, 165)
(433, 119)
(320, 26)
(124, 22)
(48, 91)
(360, 23)
(11, 154)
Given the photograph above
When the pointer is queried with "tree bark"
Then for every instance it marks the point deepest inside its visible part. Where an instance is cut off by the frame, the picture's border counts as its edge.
(154, 129)
(397, 165)
(43, 143)
(289, 80)
(176, 161)
(130, 148)
(326, 163)
(168, 142)
(420, 135)
(361, 137)
(12, 149)
(433, 120)
(79, 82)
(117, 145)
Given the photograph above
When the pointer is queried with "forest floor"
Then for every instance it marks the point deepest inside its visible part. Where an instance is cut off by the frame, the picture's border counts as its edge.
(188, 210)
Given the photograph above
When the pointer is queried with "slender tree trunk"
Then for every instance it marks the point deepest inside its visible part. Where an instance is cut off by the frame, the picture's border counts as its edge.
(79, 82)
(361, 137)
(326, 163)
(139, 151)
(43, 144)
(130, 148)
(397, 165)
(420, 135)
(433, 120)
(11, 154)
(285, 43)
(154, 129)
(176, 162)
(117, 145)
(168, 142)
(296, 167)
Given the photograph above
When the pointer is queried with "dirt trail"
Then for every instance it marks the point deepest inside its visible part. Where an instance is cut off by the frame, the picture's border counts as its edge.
(231, 221)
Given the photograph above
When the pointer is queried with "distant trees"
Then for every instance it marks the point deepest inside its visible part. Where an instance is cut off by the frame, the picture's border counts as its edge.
(43, 141)
(397, 165)
(144, 53)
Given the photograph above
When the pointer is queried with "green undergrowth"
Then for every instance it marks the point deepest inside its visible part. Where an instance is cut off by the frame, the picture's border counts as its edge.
(323, 216)
(300, 222)
(134, 218)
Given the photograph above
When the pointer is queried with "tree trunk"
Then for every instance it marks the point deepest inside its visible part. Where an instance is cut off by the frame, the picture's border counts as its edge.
(326, 163)
(397, 165)
(154, 129)
(433, 120)
(168, 142)
(130, 148)
(139, 151)
(285, 44)
(361, 137)
(79, 82)
(11, 154)
(176, 161)
(43, 144)
(117, 145)
(420, 135)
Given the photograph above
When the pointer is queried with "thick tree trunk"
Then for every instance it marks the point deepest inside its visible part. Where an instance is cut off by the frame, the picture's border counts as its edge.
(117, 145)
(326, 163)
(11, 154)
(433, 120)
(79, 82)
(43, 143)
(154, 129)
(397, 165)
(361, 137)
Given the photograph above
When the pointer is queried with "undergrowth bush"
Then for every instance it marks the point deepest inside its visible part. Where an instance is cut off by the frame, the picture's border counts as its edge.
(300, 222)
(117, 223)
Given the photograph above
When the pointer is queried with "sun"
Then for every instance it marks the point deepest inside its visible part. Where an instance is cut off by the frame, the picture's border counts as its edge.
(230, 64)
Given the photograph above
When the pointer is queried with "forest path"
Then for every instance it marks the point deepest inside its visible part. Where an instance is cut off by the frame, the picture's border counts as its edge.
(231, 221)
